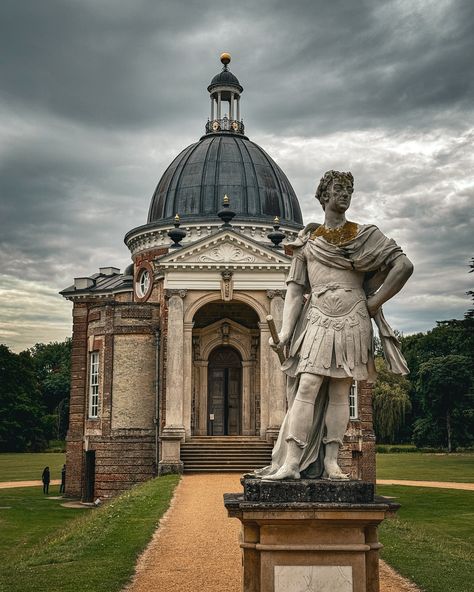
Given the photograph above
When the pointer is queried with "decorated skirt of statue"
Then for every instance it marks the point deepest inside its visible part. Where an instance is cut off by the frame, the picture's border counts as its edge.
(333, 336)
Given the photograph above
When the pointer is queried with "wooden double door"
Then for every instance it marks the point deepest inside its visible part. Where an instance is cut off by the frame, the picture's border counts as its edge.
(224, 392)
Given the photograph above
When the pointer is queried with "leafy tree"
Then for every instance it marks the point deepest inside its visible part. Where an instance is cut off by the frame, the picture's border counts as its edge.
(53, 370)
(22, 425)
(391, 402)
(444, 383)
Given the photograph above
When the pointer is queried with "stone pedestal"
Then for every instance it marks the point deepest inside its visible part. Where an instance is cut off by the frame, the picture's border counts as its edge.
(307, 535)
(171, 439)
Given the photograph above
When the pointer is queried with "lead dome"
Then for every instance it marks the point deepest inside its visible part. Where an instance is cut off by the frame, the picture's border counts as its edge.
(224, 161)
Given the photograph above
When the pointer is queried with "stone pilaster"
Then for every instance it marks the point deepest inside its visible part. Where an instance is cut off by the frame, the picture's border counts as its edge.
(174, 432)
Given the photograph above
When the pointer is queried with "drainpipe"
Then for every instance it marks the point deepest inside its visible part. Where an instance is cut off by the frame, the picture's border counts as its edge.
(157, 396)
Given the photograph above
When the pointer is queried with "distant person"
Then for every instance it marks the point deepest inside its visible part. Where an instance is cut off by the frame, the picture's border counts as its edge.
(46, 478)
(62, 487)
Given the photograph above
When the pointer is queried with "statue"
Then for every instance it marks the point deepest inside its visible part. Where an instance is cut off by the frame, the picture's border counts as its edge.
(348, 271)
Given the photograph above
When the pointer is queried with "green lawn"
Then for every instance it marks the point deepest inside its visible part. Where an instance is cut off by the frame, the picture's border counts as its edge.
(47, 548)
(27, 517)
(25, 466)
(430, 541)
(426, 467)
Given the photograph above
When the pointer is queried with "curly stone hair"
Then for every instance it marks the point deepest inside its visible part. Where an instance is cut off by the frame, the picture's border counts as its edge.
(321, 191)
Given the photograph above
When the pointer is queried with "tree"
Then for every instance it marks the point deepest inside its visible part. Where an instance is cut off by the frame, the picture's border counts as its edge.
(391, 402)
(53, 370)
(444, 383)
(22, 423)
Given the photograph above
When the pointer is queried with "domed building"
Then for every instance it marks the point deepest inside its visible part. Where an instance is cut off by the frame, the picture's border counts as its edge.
(171, 367)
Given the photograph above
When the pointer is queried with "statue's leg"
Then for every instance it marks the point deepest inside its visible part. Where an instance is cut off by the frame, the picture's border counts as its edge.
(300, 423)
(337, 418)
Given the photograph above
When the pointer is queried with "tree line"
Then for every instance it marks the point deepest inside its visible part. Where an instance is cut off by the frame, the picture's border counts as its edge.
(434, 405)
(34, 396)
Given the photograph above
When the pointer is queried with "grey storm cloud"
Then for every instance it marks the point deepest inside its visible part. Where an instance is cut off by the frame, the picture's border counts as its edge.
(98, 96)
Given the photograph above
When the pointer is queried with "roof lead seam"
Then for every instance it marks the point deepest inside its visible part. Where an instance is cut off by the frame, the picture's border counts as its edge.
(245, 176)
(281, 201)
(204, 169)
(191, 152)
(255, 175)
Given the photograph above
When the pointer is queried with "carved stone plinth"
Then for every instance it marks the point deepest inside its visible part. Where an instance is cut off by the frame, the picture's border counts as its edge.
(314, 545)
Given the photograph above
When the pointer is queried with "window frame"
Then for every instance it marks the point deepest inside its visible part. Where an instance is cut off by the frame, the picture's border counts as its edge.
(354, 402)
(94, 385)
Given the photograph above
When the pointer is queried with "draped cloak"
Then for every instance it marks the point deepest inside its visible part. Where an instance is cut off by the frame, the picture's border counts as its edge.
(371, 253)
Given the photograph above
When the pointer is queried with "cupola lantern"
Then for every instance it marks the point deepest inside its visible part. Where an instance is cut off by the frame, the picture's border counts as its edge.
(225, 88)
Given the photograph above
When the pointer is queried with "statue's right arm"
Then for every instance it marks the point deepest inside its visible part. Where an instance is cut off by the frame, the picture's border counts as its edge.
(291, 311)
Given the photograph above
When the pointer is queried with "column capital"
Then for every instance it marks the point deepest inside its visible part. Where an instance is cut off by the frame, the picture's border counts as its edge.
(273, 293)
(181, 292)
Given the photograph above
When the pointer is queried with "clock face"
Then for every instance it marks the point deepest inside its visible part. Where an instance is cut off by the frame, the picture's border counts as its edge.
(215, 125)
(235, 126)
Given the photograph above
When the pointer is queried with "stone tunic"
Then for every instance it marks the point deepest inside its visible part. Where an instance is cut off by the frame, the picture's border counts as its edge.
(334, 336)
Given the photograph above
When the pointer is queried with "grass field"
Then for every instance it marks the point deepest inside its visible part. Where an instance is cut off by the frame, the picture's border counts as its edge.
(426, 467)
(47, 548)
(430, 541)
(29, 466)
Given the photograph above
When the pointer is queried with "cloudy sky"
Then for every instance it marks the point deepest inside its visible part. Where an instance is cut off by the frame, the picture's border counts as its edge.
(98, 96)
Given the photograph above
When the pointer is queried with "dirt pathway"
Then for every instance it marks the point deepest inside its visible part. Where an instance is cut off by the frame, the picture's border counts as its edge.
(10, 484)
(196, 546)
(439, 484)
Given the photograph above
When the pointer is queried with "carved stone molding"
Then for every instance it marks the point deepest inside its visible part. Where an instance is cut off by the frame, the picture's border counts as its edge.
(227, 285)
(227, 253)
(169, 292)
(272, 293)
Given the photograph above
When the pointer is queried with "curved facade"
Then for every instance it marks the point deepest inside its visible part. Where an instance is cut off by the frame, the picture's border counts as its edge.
(198, 178)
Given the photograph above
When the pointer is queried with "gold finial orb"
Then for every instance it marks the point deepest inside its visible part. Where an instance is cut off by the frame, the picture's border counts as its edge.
(225, 58)
(177, 218)
(277, 220)
(226, 199)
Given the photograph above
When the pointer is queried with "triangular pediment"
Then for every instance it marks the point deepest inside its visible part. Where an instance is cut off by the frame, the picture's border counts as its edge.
(226, 248)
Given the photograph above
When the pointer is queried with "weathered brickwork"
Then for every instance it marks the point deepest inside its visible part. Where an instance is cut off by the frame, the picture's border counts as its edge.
(122, 462)
(357, 456)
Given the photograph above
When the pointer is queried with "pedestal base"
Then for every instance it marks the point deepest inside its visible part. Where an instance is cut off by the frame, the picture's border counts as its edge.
(289, 546)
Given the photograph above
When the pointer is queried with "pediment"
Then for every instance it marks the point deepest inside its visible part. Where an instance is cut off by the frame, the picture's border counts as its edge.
(226, 249)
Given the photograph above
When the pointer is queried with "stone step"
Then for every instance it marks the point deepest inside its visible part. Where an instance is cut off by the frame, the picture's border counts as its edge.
(223, 454)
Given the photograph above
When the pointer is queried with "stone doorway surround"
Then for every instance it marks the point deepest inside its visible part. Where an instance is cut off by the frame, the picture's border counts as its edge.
(246, 341)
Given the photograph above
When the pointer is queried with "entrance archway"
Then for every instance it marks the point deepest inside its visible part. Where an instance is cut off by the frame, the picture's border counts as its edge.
(224, 392)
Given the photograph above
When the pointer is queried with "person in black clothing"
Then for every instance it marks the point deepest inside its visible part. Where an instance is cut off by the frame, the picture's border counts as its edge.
(62, 487)
(46, 478)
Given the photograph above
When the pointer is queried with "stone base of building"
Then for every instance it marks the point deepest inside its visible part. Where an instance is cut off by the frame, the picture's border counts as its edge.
(292, 545)
(170, 468)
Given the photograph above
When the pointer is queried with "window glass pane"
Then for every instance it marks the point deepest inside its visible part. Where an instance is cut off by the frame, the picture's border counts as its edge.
(353, 407)
(94, 385)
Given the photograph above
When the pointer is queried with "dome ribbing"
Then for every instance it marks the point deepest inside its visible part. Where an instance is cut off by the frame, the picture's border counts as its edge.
(198, 178)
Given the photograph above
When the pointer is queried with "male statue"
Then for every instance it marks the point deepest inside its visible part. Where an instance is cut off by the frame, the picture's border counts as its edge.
(348, 271)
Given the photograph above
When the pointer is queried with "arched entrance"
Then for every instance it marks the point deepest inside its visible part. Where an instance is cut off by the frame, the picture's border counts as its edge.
(224, 392)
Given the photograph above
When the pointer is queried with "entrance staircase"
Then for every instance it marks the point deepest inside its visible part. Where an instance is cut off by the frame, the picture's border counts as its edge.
(211, 454)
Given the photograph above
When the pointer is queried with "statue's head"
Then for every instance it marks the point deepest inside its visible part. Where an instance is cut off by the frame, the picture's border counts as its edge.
(335, 184)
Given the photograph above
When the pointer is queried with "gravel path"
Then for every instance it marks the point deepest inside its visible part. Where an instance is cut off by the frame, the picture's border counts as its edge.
(10, 484)
(196, 546)
(439, 484)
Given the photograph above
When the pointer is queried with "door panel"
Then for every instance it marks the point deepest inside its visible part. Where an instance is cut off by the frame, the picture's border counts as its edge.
(233, 402)
(217, 401)
(224, 389)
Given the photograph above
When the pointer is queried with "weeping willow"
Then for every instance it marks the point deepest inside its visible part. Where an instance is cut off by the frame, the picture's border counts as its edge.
(391, 403)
